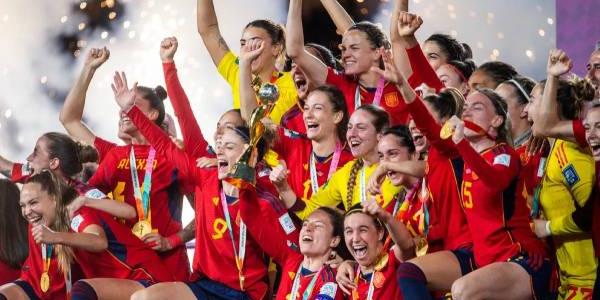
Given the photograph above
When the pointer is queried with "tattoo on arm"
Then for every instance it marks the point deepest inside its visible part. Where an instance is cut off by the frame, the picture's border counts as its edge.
(222, 43)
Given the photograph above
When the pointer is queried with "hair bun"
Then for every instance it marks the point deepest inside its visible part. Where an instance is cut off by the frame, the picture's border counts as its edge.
(160, 92)
(467, 51)
(87, 153)
(583, 89)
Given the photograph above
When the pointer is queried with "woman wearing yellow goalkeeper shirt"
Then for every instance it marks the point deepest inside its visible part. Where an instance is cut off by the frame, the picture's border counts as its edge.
(567, 181)
(348, 185)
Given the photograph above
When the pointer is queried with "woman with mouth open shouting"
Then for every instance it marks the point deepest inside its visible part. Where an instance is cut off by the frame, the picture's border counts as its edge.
(91, 240)
(228, 263)
(489, 200)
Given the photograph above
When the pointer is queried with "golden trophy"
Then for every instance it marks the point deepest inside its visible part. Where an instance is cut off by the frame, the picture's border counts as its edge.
(242, 173)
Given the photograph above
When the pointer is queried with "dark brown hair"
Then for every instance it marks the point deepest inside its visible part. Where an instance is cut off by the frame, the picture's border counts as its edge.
(13, 227)
(71, 154)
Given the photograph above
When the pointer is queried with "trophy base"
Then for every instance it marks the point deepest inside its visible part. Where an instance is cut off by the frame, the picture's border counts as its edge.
(242, 176)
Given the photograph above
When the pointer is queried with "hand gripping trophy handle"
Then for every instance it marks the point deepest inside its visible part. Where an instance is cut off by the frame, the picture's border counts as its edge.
(242, 173)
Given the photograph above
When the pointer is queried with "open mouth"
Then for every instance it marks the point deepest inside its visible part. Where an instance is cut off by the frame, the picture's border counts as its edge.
(301, 84)
(595, 146)
(307, 239)
(223, 166)
(35, 220)
(418, 139)
(359, 251)
(312, 126)
(354, 144)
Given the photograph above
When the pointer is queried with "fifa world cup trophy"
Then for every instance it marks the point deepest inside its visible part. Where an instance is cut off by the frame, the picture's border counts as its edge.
(242, 173)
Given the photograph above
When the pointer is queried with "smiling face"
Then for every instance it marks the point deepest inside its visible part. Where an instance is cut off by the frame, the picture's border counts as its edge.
(480, 110)
(266, 60)
(303, 84)
(593, 71)
(531, 108)
(435, 56)
(358, 55)
(516, 110)
(391, 150)
(229, 148)
(40, 158)
(316, 235)
(37, 205)
(228, 119)
(363, 238)
(421, 143)
(320, 119)
(362, 136)
(450, 78)
(126, 126)
(592, 131)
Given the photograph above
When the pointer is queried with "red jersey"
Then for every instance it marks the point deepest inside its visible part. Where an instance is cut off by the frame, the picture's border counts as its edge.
(443, 176)
(20, 172)
(8, 273)
(391, 100)
(127, 257)
(166, 198)
(34, 267)
(422, 72)
(293, 119)
(213, 256)
(296, 150)
(497, 215)
(263, 228)
(596, 212)
(194, 143)
(384, 283)
(579, 132)
(103, 147)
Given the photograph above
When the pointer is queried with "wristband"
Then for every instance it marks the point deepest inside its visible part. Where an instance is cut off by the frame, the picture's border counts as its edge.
(174, 241)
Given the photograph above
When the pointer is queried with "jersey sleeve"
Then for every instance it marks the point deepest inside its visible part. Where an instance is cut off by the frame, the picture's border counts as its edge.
(195, 144)
(335, 78)
(422, 70)
(84, 218)
(163, 144)
(263, 226)
(229, 70)
(430, 128)
(20, 172)
(579, 132)
(497, 175)
(103, 147)
(578, 175)
(328, 195)
(288, 96)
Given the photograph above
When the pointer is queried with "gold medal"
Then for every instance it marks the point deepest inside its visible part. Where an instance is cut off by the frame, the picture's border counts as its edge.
(45, 282)
(446, 131)
(142, 228)
(421, 245)
(378, 280)
(242, 278)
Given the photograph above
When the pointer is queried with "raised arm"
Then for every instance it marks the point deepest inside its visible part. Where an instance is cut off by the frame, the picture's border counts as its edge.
(194, 142)
(398, 48)
(253, 49)
(422, 72)
(208, 28)
(398, 231)
(6, 167)
(314, 68)
(114, 208)
(548, 122)
(340, 17)
(71, 115)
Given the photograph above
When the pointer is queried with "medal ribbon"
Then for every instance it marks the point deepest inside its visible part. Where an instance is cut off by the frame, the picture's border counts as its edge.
(46, 256)
(314, 181)
(142, 199)
(376, 99)
(309, 288)
(423, 196)
(239, 256)
(474, 127)
(535, 204)
(371, 286)
(363, 187)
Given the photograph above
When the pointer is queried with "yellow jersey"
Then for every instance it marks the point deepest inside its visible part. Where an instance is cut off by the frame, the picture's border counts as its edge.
(569, 179)
(335, 191)
(288, 96)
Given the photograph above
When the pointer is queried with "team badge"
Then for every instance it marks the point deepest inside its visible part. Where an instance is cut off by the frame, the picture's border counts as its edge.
(216, 200)
(378, 280)
(391, 99)
(570, 175)
(502, 159)
(327, 291)
(95, 194)
(76, 222)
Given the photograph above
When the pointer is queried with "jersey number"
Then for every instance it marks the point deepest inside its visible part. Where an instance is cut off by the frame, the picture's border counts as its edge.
(579, 293)
(467, 197)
